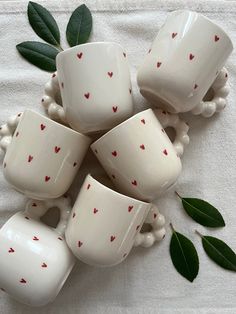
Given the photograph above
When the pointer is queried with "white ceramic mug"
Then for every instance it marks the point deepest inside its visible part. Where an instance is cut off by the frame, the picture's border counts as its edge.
(185, 60)
(42, 156)
(139, 156)
(95, 87)
(35, 260)
(104, 225)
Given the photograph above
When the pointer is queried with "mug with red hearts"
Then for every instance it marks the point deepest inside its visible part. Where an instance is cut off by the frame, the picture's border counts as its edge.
(185, 61)
(95, 87)
(35, 260)
(138, 155)
(104, 225)
(42, 156)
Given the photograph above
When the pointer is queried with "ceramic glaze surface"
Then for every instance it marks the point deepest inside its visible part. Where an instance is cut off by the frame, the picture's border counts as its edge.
(183, 62)
(35, 260)
(95, 86)
(139, 156)
(43, 157)
(104, 225)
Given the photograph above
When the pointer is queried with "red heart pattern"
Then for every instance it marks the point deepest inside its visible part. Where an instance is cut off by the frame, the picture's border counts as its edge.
(88, 186)
(53, 75)
(134, 182)
(30, 158)
(95, 210)
(216, 38)
(74, 164)
(74, 214)
(114, 108)
(142, 147)
(11, 250)
(110, 74)
(195, 86)
(44, 265)
(79, 55)
(112, 238)
(143, 121)
(35, 238)
(159, 64)
(165, 152)
(130, 208)
(87, 95)
(22, 280)
(173, 35)
(57, 149)
(191, 56)
(42, 126)
(114, 153)
(80, 243)
(47, 178)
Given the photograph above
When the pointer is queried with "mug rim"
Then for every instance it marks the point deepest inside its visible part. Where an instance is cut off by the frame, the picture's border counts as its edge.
(209, 20)
(119, 125)
(96, 43)
(56, 123)
(115, 192)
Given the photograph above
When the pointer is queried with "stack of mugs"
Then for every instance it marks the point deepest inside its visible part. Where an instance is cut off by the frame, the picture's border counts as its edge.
(43, 156)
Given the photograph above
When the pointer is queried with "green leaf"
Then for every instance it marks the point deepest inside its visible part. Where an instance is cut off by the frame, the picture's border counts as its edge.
(219, 252)
(40, 54)
(202, 212)
(79, 26)
(43, 23)
(184, 255)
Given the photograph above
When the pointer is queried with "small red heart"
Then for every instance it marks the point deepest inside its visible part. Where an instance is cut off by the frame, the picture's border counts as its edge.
(195, 86)
(149, 50)
(137, 227)
(112, 238)
(88, 186)
(95, 210)
(79, 55)
(114, 108)
(53, 75)
(80, 243)
(216, 38)
(26, 217)
(47, 178)
(130, 90)
(191, 56)
(124, 54)
(34, 205)
(143, 121)
(42, 126)
(73, 216)
(62, 85)
(35, 238)
(142, 146)
(110, 74)
(44, 265)
(159, 64)
(113, 176)
(155, 215)
(165, 152)
(11, 250)
(57, 149)
(74, 164)
(59, 238)
(30, 158)
(130, 208)
(134, 182)
(22, 280)
(17, 133)
(87, 95)
(174, 35)
(114, 153)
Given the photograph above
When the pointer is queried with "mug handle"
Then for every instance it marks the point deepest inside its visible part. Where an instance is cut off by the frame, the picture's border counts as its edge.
(219, 101)
(54, 110)
(157, 222)
(35, 209)
(181, 128)
(7, 131)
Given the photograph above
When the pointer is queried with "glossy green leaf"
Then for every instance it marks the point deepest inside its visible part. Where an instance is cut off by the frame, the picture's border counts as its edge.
(79, 26)
(184, 256)
(40, 54)
(219, 252)
(43, 23)
(202, 212)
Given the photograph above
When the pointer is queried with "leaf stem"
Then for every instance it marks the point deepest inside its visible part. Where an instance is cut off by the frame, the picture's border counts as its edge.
(172, 228)
(59, 47)
(178, 195)
(198, 233)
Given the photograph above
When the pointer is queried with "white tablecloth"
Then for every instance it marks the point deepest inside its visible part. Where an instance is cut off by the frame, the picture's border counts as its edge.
(146, 282)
